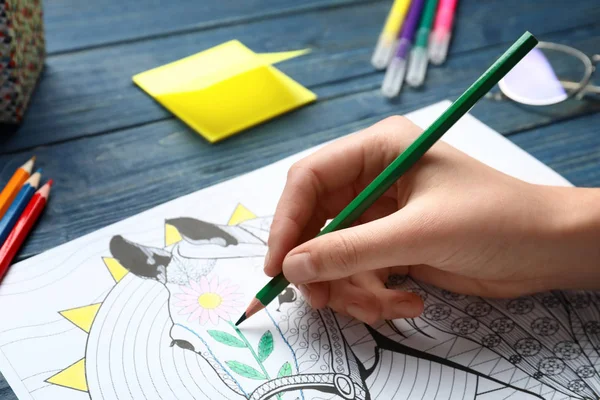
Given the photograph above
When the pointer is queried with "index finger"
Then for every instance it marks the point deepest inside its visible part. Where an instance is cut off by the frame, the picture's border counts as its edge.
(332, 169)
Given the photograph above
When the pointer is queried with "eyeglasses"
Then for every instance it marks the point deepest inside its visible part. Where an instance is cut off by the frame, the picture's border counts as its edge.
(550, 74)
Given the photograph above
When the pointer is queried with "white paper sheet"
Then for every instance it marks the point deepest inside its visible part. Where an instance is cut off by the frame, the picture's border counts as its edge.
(141, 309)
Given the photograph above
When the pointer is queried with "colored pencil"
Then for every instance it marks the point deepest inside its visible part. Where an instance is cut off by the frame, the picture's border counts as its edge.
(18, 205)
(13, 186)
(417, 63)
(394, 76)
(384, 50)
(23, 226)
(442, 31)
(407, 158)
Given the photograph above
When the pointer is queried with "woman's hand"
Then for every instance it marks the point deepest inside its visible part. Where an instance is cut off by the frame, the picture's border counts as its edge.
(451, 221)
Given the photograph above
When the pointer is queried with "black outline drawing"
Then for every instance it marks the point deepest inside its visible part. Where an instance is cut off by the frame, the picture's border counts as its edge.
(545, 346)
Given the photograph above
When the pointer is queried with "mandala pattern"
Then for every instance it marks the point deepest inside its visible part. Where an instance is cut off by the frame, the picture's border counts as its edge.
(520, 306)
(491, 340)
(592, 327)
(551, 366)
(528, 347)
(551, 301)
(502, 325)
(465, 325)
(515, 359)
(567, 350)
(550, 337)
(544, 326)
(576, 386)
(478, 309)
(437, 312)
(579, 300)
(586, 371)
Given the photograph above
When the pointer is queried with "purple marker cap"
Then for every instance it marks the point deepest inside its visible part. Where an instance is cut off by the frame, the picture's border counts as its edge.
(394, 76)
(409, 27)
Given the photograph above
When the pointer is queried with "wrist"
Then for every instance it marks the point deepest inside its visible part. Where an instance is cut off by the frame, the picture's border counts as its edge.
(575, 237)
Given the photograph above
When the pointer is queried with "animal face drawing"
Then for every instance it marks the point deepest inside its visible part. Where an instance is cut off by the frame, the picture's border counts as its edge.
(540, 347)
(206, 274)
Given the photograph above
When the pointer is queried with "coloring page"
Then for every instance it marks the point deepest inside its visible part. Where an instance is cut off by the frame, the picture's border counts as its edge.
(144, 309)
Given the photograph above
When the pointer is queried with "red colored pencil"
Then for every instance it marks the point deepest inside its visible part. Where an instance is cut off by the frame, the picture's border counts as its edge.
(23, 226)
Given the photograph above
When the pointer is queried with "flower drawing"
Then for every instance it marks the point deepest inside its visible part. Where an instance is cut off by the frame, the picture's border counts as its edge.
(209, 300)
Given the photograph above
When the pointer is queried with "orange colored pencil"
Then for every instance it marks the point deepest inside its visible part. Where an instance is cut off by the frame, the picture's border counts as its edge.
(13, 186)
(19, 233)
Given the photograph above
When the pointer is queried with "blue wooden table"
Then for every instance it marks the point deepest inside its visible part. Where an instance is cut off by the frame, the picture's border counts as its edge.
(113, 152)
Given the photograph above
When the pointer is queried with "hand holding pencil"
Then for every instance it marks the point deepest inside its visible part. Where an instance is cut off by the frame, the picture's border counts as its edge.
(452, 222)
(403, 162)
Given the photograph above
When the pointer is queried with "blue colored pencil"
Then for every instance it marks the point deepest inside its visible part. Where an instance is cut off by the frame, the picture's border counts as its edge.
(18, 205)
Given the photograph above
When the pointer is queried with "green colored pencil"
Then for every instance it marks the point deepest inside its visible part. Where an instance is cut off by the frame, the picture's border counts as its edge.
(417, 62)
(408, 158)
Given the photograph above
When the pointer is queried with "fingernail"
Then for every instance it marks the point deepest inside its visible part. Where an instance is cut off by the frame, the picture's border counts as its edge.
(305, 292)
(267, 258)
(299, 268)
(358, 312)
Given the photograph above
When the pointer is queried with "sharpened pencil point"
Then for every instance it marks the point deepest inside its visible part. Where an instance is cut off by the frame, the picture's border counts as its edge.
(242, 319)
(254, 307)
(28, 166)
(34, 180)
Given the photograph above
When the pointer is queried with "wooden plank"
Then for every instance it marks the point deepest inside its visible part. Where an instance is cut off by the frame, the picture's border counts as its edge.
(113, 21)
(571, 148)
(6, 392)
(91, 92)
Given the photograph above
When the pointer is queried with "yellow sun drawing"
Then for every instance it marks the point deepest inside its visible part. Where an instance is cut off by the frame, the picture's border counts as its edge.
(73, 376)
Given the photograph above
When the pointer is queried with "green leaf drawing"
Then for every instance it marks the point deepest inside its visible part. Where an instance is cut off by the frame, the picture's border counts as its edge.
(245, 370)
(265, 346)
(285, 370)
(226, 338)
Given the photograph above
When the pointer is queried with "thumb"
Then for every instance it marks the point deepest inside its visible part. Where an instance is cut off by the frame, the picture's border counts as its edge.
(397, 239)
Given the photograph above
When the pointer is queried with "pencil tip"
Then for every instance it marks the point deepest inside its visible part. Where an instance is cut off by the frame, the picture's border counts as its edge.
(33, 158)
(34, 179)
(28, 166)
(44, 191)
(242, 319)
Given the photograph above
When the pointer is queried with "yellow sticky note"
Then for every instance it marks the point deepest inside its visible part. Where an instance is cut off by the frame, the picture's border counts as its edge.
(226, 89)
